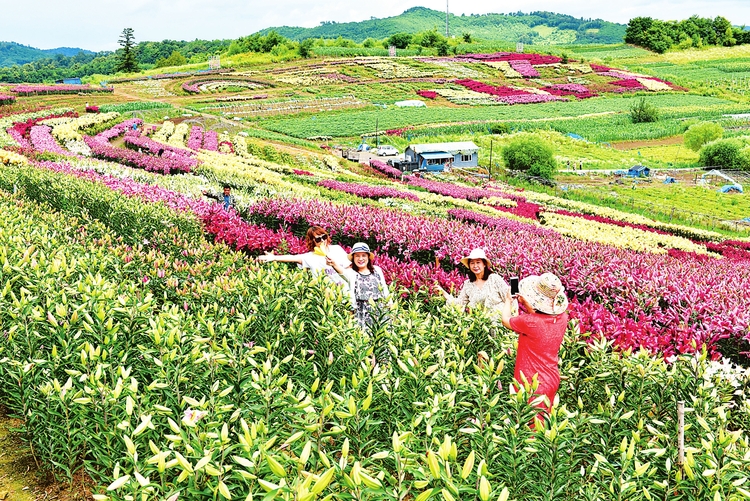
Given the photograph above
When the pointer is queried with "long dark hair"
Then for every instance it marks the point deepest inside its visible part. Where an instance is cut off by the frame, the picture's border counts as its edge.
(312, 232)
(485, 275)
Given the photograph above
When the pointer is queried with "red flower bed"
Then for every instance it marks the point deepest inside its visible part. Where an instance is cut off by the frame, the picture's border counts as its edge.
(429, 94)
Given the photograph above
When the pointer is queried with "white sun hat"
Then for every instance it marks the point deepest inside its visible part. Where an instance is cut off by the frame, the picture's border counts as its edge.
(476, 254)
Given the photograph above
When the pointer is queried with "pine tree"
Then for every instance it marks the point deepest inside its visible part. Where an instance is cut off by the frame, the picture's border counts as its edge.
(127, 62)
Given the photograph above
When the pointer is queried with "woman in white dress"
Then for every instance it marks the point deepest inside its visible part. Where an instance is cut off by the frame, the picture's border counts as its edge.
(483, 289)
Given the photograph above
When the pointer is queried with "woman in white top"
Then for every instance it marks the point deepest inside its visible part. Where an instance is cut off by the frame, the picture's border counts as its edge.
(367, 285)
(483, 288)
(319, 251)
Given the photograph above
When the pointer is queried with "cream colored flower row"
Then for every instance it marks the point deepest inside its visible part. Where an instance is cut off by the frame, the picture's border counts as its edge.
(465, 96)
(623, 237)
(66, 128)
(654, 85)
(505, 68)
(626, 217)
(165, 132)
(178, 136)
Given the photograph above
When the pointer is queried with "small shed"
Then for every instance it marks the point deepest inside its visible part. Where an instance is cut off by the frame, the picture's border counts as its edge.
(438, 156)
(639, 171)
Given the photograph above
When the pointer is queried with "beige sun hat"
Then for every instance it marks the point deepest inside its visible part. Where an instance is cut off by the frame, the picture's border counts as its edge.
(361, 247)
(545, 293)
(476, 254)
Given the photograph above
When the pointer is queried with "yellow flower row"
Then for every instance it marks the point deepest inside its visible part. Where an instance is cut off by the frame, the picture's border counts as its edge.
(623, 237)
(249, 171)
(10, 158)
(178, 136)
(165, 132)
(505, 68)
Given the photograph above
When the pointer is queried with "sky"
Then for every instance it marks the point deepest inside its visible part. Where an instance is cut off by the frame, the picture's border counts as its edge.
(96, 24)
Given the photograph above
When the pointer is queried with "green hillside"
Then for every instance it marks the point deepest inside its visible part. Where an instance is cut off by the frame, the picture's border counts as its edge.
(538, 28)
(12, 53)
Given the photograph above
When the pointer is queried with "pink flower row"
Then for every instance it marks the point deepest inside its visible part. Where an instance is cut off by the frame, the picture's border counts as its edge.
(533, 59)
(428, 94)
(169, 163)
(30, 90)
(7, 99)
(524, 67)
(577, 90)
(134, 140)
(386, 169)
(118, 130)
(42, 140)
(366, 190)
(455, 191)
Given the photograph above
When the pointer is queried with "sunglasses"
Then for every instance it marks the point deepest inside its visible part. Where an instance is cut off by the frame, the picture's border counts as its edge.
(320, 238)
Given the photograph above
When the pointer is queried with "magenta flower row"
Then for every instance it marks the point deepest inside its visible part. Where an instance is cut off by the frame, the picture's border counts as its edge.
(428, 94)
(529, 98)
(367, 190)
(386, 169)
(501, 223)
(4, 99)
(629, 83)
(533, 59)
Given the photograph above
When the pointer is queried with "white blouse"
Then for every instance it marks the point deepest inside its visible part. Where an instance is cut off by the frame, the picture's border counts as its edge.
(490, 296)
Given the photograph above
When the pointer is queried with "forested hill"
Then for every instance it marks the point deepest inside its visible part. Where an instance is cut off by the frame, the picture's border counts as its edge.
(14, 53)
(540, 28)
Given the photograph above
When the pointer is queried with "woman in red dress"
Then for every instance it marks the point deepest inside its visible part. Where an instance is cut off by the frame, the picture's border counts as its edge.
(540, 332)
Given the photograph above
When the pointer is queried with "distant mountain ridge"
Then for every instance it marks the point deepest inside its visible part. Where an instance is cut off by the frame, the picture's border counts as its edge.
(15, 53)
(538, 28)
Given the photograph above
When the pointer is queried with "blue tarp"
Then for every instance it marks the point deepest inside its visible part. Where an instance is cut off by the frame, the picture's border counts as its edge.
(436, 154)
(574, 136)
(727, 188)
(670, 180)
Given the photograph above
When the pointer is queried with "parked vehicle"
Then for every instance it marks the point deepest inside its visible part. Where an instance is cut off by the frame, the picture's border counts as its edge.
(387, 150)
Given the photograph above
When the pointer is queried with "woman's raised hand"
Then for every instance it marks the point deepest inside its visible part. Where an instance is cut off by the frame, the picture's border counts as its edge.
(265, 258)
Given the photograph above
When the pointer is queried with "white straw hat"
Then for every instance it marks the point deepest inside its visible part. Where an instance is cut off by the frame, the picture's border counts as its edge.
(476, 254)
(545, 293)
(361, 247)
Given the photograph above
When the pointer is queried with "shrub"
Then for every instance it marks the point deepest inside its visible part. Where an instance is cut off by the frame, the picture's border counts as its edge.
(499, 128)
(643, 112)
(725, 153)
(530, 155)
(699, 134)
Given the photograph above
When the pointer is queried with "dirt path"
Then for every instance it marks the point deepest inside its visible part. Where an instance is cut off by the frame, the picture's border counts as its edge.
(632, 145)
(17, 481)
(21, 479)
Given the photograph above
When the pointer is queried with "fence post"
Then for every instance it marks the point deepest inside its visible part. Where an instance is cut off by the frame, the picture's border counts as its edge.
(681, 433)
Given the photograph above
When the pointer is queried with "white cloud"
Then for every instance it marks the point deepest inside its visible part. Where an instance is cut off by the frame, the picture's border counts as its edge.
(97, 24)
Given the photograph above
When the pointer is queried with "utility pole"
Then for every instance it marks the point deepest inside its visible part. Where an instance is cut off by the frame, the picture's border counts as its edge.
(377, 137)
(489, 168)
(447, 31)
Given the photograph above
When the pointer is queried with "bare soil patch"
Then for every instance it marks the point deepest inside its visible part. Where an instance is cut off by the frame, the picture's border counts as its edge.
(632, 145)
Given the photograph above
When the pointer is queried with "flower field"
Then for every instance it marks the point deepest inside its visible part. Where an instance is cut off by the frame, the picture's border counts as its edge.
(144, 347)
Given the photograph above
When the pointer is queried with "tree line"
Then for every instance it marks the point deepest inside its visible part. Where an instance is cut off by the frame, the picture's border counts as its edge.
(659, 36)
(146, 55)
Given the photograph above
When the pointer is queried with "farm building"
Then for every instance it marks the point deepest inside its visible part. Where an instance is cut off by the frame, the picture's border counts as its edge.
(438, 156)
(639, 171)
(69, 81)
